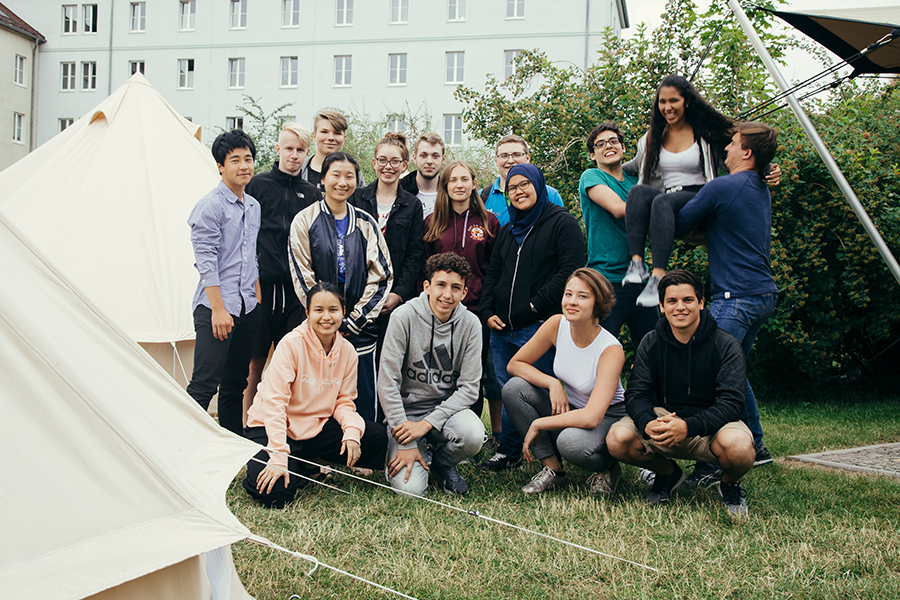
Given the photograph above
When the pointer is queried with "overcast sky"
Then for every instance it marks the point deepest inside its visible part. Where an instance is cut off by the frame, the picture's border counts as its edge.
(800, 65)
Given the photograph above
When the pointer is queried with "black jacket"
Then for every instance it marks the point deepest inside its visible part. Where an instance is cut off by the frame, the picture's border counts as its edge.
(535, 274)
(403, 234)
(281, 197)
(704, 381)
(409, 183)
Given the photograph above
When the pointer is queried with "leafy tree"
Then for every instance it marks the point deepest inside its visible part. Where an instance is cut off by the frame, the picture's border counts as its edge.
(263, 128)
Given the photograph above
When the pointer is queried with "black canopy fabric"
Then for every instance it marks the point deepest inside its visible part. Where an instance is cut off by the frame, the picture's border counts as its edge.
(848, 31)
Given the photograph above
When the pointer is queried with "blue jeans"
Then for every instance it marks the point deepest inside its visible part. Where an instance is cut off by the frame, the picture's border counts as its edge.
(743, 318)
(504, 345)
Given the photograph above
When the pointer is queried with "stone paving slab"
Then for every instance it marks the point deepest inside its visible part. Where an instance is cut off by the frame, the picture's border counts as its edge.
(883, 459)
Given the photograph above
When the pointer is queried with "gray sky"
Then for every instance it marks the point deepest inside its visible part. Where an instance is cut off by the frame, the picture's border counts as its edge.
(800, 65)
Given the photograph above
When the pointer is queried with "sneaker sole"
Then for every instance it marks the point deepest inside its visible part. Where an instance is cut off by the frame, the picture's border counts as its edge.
(763, 462)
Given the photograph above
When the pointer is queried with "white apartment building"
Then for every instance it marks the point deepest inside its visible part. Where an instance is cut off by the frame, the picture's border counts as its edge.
(19, 43)
(367, 56)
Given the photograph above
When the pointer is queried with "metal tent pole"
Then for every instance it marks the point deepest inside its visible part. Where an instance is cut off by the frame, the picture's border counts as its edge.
(817, 142)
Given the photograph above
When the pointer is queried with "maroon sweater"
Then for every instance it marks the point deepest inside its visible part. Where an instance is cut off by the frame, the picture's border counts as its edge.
(466, 236)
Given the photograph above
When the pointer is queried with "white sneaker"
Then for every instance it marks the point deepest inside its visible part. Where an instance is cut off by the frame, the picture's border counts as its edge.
(650, 296)
(636, 273)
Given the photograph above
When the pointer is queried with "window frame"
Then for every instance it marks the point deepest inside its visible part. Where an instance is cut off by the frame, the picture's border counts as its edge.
(18, 128)
(289, 23)
(517, 6)
(400, 69)
(186, 77)
(19, 70)
(141, 69)
(237, 78)
(241, 14)
(346, 70)
(234, 123)
(69, 21)
(343, 13)
(452, 132)
(95, 14)
(458, 68)
(68, 72)
(86, 75)
(65, 123)
(459, 8)
(508, 67)
(191, 16)
(399, 6)
(292, 71)
(139, 18)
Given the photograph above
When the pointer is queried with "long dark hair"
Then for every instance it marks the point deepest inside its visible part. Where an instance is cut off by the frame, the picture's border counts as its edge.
(706, 121)
(440, 219)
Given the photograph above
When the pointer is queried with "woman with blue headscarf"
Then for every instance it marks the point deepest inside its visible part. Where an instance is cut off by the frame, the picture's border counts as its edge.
(533, 257)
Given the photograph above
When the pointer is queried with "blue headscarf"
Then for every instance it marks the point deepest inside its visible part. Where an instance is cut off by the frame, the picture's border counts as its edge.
(521, 221)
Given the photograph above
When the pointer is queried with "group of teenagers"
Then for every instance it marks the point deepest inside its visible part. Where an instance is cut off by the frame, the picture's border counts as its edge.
(397, 308)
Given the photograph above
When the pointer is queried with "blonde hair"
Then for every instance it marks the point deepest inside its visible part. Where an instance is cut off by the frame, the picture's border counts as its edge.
(512, 139)
(299, 130)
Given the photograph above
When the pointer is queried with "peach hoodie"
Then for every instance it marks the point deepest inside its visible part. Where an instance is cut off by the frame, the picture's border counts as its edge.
(303, 387)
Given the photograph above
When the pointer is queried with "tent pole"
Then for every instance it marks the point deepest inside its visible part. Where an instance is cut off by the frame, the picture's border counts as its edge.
(817, 142)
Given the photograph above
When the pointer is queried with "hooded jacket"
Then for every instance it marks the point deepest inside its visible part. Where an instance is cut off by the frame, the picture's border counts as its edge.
(704, 381)
(427, 367)
(303, 387)
(281, 197)
(403, 235)
(534, 273)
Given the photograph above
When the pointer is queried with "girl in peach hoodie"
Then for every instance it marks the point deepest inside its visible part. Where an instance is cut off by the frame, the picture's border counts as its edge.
(304, 407)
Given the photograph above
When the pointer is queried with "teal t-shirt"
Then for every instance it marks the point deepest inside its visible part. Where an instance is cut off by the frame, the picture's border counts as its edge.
(606, 239)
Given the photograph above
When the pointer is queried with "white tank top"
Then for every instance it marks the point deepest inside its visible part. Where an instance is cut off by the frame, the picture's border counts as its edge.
(577, 367)
(681, 168)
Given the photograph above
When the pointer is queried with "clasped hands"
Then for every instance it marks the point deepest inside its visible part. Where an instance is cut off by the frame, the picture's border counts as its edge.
(667, 430)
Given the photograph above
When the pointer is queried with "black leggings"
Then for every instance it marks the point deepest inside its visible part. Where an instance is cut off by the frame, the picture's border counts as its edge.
(647, 207)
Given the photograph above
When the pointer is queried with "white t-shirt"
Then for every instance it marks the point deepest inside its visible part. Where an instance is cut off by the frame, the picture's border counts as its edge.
(577, 367)
(384, 211)
(427, 201)
(681, 168)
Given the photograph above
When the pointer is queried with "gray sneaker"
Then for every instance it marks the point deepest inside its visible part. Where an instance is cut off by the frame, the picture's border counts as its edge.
(546, 479)
(650, 296)
(605, 482)
(733, 497)
(636, 273)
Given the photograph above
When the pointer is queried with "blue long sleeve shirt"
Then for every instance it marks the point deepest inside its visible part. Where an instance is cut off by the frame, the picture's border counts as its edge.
(737, 210)
(223, 234)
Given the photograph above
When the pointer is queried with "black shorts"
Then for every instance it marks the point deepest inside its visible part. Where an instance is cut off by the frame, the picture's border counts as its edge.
(281, 313)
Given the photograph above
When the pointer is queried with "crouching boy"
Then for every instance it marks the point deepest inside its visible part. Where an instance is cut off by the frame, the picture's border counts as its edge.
(428, 378)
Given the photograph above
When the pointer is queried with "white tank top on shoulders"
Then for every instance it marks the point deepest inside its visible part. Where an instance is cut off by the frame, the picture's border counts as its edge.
(577, 367)
(681, 168)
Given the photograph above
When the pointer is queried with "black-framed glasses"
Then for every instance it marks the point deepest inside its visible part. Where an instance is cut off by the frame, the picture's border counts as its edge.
(522, 185)
(511, 155)
(394, 162)
(611, 142)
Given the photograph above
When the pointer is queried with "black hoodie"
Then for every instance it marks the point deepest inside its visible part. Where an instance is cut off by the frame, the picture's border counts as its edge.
(704, 381)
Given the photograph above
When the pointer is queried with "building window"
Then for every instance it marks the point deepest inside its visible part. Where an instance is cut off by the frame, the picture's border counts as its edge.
(515, 9)
(68, 76)
(290, 13)
(457, 10)
(452, 129)
(343, 65)
(395, 124)
(236, 72)
(136, 66)
(399, 12)
(70, 18)
(234, 123)
(186, 74)
(509, 57)
(343, 12)
(90, 18)
(18, 126)
(64, 123)
(289, 71)
(138, 16)
(19, 73)
(89, 75)
(456, 62)
(238, 14)
(188, 15)
(397, 74)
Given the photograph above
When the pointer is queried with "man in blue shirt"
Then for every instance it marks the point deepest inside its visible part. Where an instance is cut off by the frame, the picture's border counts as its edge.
(737, 211)
(511, 150)
(224, 226)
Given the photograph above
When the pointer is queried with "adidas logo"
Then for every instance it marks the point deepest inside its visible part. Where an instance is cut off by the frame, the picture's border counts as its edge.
(434, 370)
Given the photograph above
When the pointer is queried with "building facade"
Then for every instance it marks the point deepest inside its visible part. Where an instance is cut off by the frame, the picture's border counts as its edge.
(374, 57)
(19, 44)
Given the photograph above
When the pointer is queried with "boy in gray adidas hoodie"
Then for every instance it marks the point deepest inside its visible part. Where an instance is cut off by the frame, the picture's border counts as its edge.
(429, 376)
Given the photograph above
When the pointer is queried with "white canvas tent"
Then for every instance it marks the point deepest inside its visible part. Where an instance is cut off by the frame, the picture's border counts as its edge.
(114, 479)
(107, 200)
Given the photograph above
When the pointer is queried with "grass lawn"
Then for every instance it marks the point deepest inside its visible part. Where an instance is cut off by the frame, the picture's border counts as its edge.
(812, 533)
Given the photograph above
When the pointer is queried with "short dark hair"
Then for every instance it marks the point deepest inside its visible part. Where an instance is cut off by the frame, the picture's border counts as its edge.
(601, 289)
(608, 126)
(680, 277)
(338, 157)
(325, 286)
(450, 262)
(228, 141)
(760, 139)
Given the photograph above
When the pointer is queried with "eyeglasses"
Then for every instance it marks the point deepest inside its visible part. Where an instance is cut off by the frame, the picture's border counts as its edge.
(394, 162)
(611, 142)
(519, 186)
(514, 156)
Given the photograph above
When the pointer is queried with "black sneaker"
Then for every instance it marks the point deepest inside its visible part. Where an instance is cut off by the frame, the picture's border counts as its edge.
(501, 462)
(733, 497)
(704, 475)
(763, 457)
(663, 486)
(429, 453)
(449, 479)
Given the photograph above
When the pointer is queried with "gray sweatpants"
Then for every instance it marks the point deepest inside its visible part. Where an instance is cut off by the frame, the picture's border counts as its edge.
(461, 437)
(585, 448)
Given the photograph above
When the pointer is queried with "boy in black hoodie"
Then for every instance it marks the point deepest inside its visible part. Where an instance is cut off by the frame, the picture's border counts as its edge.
(685, 397)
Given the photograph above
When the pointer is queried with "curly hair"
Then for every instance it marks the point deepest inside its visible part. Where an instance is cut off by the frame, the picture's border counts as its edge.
(707, 123)
(449, 262)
